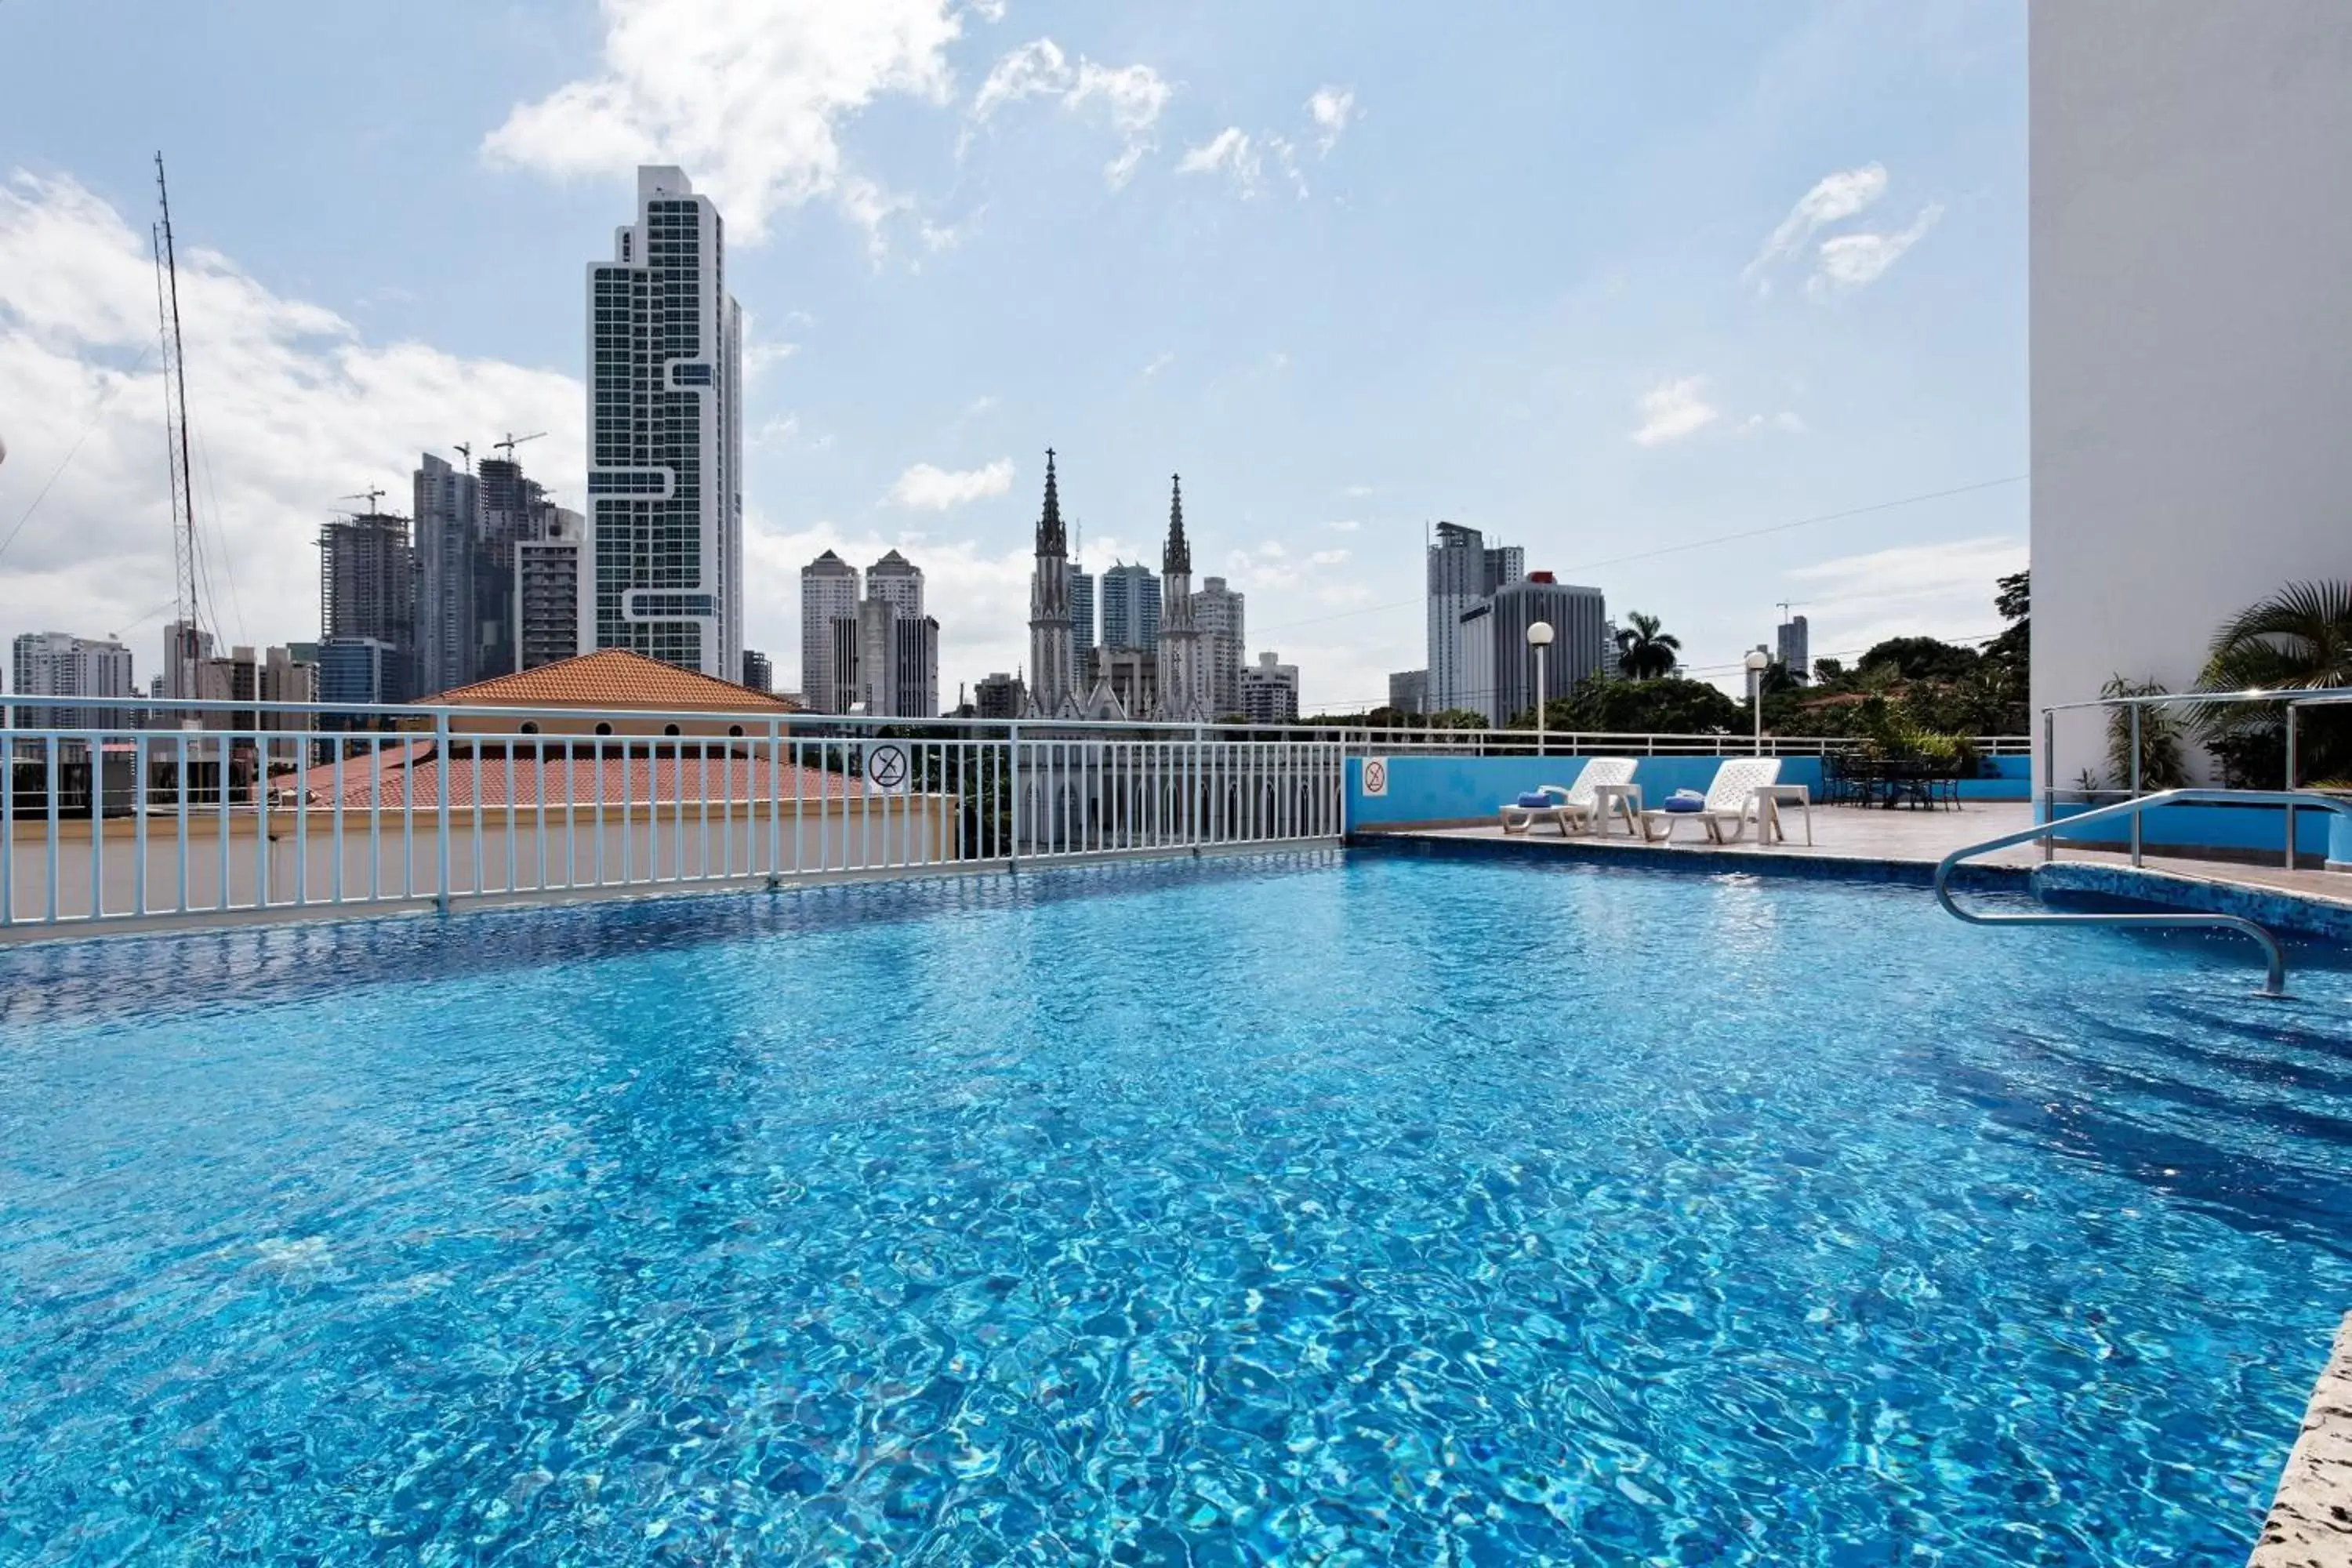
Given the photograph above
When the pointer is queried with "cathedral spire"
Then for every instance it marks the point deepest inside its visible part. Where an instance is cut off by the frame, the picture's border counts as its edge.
(1178, 556)
(1051, 538)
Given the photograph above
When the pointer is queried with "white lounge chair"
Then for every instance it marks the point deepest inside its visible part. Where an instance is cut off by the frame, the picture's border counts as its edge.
(1573, 806)
(1730, 802)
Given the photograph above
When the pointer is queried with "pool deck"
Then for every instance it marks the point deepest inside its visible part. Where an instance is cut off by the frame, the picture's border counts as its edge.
(1903, 846)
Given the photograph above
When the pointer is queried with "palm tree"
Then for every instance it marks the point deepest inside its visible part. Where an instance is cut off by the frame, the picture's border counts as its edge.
(2300, 638)
(1645, 649)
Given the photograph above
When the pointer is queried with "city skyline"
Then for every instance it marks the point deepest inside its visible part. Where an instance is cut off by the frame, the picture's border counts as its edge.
(1826, 317)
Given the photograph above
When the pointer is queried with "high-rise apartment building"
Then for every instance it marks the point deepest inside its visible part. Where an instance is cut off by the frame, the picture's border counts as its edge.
(897, 581)
(1495, 663)
(828, 593)
(547, 590)
(1130, 607)
(664, 574)
(1796, 650)
(1409, 692)
(998, 696)
(1217, 610)
(185, 649)
(1270, 692)
(758, 673)
(448, 526)
(915, 679)
(1082, 617)
(58, 664)
(1463, 569)
(367, 588)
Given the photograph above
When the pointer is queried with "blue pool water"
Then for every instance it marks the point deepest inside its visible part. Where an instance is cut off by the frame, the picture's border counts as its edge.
(1386, 1211)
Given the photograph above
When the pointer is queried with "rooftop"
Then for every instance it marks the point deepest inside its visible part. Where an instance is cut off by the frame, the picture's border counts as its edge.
(613, 678)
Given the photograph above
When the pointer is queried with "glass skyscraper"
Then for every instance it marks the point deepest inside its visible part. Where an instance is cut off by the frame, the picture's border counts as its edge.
(666, 439)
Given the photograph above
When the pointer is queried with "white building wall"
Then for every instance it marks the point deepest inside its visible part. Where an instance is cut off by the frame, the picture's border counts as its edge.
(2192, 298)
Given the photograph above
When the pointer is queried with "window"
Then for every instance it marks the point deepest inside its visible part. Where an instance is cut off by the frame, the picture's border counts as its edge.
(603, 729)
(735, 729)
(529, 726)
(669, 730)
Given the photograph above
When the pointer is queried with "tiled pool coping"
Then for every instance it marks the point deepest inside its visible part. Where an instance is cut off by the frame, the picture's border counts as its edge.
(2310, 1523)
(2299, 914)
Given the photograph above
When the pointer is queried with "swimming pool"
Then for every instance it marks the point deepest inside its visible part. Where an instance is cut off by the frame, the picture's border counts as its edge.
(1351, 1208)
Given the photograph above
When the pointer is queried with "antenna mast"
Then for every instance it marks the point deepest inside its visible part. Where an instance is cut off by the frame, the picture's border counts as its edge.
(175, 418)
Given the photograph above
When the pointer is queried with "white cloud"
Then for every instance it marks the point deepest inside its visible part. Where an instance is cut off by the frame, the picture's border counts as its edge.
(1346, 525)
(1833, 199)
(781, 431)
(1357, 492)
(1328, 557)
(759, 356)
(1857, 260)
(926, 487)
(1160, 363)
(1672, 410)
(1331, 109)
(986, 402)
(1942, 590)
(1229, 151)
(1787, 421)
(291, 407)
(747, 95)
(1134, 95)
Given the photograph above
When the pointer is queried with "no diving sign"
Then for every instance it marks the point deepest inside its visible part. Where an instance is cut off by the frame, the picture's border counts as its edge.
(886, 766)
(1376, 775)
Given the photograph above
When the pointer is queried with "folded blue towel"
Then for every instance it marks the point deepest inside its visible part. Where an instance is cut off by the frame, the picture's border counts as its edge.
(1534, 798)
(1684, 803)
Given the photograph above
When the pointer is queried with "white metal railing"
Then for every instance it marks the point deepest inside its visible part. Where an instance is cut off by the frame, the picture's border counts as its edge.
(1410, 740)
(283, 810)
(2292, 700)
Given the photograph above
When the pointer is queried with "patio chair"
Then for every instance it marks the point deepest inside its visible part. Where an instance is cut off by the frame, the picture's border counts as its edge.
(1730, 804)
(1574, 807)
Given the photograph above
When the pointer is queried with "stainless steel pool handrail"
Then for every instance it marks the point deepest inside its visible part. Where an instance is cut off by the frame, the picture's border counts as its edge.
(2274, 984)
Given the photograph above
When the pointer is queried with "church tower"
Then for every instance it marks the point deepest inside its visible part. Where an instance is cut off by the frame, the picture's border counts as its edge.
(1184, 679)
(1053, 679)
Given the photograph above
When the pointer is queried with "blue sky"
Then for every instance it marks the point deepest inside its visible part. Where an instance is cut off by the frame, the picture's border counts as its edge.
(1600, 281)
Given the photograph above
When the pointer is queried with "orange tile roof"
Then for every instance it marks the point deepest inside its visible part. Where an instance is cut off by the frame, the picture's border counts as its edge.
(409, 774)
(613, 678)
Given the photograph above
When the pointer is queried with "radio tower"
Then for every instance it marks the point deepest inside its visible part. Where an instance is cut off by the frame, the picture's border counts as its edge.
(186, 641)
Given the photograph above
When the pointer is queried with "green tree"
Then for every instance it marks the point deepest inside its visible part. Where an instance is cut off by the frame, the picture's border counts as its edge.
(1645, 649)
(2298, 639)
(2161, 765)
(1922, 658)
(1665, 707)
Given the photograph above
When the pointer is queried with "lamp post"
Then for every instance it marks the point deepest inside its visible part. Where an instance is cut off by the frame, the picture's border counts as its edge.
(1759, 662)
(1539, 638)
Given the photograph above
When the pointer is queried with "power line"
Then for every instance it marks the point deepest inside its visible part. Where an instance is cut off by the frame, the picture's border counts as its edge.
(1691, 544)
(104, 404)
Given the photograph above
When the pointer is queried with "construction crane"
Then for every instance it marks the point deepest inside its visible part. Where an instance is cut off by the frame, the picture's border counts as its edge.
(513, 440)
(187, 641)
(464, 451)
(1786, 606)
(370, 495)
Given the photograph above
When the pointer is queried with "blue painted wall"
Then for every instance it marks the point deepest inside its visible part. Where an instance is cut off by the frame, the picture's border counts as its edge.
(1445, 789)
(2256, 827)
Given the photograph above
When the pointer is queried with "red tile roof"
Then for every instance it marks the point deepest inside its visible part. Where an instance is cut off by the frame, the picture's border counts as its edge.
(613, 678)
(412, 776)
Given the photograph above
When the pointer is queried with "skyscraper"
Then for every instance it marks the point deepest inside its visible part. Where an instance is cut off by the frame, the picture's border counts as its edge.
(915, 678)
(899, 581)
(1409, 692)
(1185, 680)
(58, 664)
(546, 591)
(1218, 610)
(828, 593)
(1463, 570)
(1130, 607)
(1082, 619)
(1796, 652)
(367, 588)
(758, 673)
(1053, 655)
(666, 438)
(1499, 676)
(1270, 692)
(448, 525)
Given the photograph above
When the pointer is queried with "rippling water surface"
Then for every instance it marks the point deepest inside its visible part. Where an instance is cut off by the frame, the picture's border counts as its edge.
(1392, 1211)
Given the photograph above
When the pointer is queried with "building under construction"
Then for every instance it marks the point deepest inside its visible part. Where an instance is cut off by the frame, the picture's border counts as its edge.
(367, 588)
